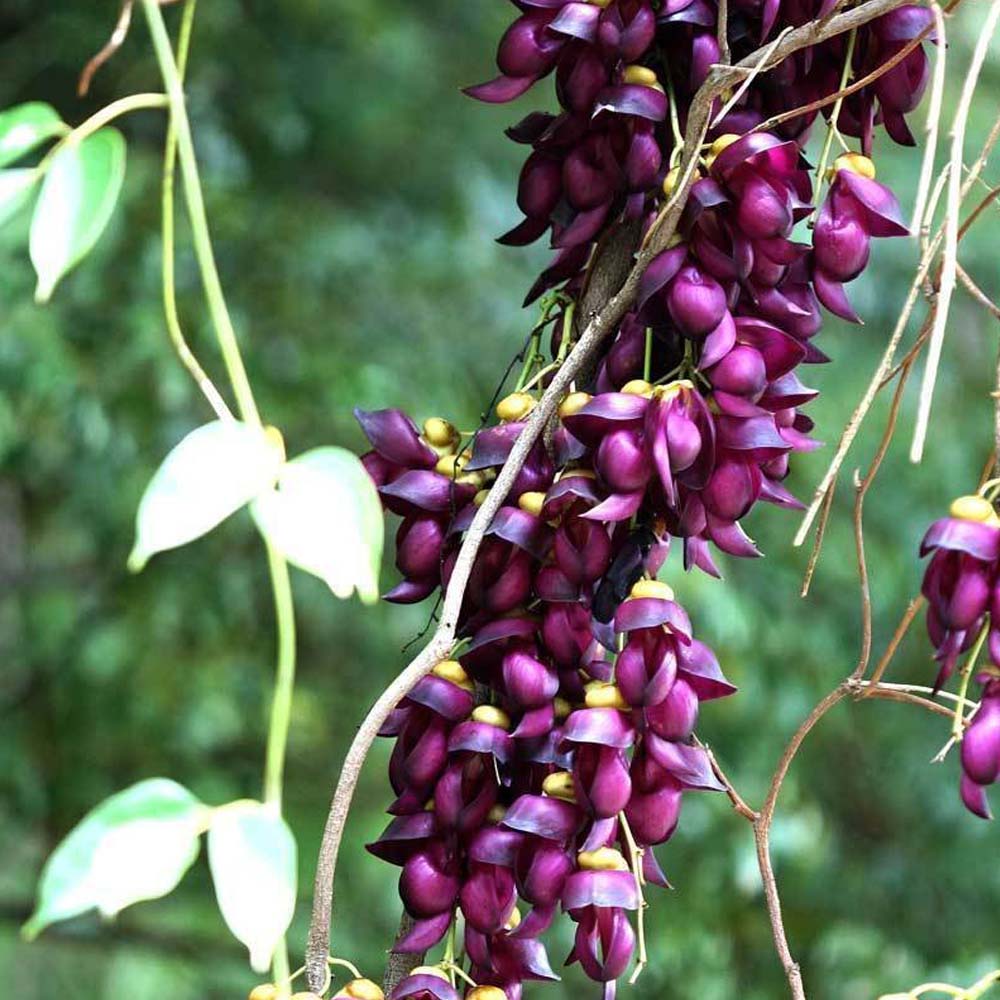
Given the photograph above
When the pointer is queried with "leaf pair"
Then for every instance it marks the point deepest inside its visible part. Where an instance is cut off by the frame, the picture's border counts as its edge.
(80, 183)
(320, 510)
(138, 844)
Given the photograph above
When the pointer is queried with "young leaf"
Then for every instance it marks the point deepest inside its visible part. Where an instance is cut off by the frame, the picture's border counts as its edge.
(325, 517)
(16, 186)
(251, 852)
(135, 845)
(213, 472)
(78, 195)
(26, 126)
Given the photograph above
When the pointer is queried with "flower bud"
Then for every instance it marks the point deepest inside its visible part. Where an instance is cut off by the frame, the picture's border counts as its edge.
(697, 302)
(652, 588)
(480, 498)
(639, 74)
(264, 991)
(532, 501)
(452, 670)
(602, 695)
(604, 859)
(574, 403)
(431, 970)
(856, 163)
(360, 989)
(492, 716)
(673, 175)
(486, 992)
(306, 995)
(440, 432)
(559, 785)
(638, 387)
(450, 465)
(516, 406)
(741, 372)
(972, 508)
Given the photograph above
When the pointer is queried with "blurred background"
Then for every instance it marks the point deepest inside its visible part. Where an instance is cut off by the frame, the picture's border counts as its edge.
(354, 196)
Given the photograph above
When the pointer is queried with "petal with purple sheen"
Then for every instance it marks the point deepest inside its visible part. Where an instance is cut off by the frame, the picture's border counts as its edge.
(424, 490)
(718, 343)
(481, 737)
(493, 845)
(605, 413)
(603, 726)
(410, 591)
(492, 446)
(831, 293)
(534, 723)
(568, 490)
(974, 798)
(501, 89)
(982, 541)
(501, 629)
(701, 668)
(690, 765)
(649, 612)
(521, 529)
(757, 435)
(633, 99)
(579, 20)
(422, 936)
(600, 888)
(446, 699)
(394, 436)
(551, 819)
(885, 218)
(414, 985)
(617, 507)
(660, 270)
(401, 837)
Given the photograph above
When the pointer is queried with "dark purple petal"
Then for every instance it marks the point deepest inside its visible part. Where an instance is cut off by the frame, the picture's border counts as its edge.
(394, 436)
(421, 937)
(501, 89)
(541, 816)
(413, 986)
(633, 99)
(981, 541)
(600, 888)
(603, 726)
(578, 20)
(481, 737)
(688, 764)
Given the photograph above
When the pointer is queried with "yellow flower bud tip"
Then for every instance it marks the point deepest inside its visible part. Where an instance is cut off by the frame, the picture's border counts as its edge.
(724, 141)
(265, 991)
(972, 508)
(431, 970)
(496, 813)
(450, 465)
(516, 406)
(559, 785)
(532, 502)
(856, 163)
(306, 995)
(602, 695)
(561, 708)
(486, 993)
(604, 859)
(476, 479)
(440, 432)
(514, 920)
(639, 74)
(637, 387)
(480, 498)
(600, 3)
(652, 588)
(574, 403)
(492, 716)
(670, 181)
(451, 670)
(360, 989)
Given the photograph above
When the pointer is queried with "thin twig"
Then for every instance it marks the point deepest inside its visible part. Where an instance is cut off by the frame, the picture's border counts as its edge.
(933, 119)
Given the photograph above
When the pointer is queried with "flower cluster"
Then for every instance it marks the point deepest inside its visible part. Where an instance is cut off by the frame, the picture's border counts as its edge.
(962, 588)
(535, 771)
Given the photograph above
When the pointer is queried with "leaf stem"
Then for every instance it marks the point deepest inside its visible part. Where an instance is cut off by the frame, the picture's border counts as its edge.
(181, 346)
(845, 77)
(201, 236)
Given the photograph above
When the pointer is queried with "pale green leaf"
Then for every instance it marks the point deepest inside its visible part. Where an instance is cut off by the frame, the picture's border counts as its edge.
(213, 472)
(251, 852)
(325, 517)
(26, 126)
(135, 845)
(78, 195)
(16, 187)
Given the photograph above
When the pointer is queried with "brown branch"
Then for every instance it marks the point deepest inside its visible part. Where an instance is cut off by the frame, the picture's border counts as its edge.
(599, 324)
(399, 965)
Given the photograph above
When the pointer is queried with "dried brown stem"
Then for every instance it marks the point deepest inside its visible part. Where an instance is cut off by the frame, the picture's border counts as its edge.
(599, 322)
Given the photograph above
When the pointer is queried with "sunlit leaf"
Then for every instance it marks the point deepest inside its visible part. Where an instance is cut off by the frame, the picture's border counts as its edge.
(325, 517)
(251, 852)
(135, 845)
(213, 472)
(26, 126)
(16, 187)
(78, 195)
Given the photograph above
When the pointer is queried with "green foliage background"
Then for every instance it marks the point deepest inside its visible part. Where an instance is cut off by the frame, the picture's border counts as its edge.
(354, 195)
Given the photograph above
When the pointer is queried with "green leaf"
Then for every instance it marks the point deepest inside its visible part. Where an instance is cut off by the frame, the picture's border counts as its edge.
(16, 187)
(213, 472)
(26, 126)
(251, 852)
(135, 845)
(325, 517)
(78, 195)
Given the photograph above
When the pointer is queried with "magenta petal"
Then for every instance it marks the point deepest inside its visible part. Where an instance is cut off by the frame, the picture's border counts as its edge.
(413, 986)
(590, 888)
(481, 737)
(603, 726)
(648, 612)
(423, 935)
(660, 270)
(534, 723)
(521, 529)
(493, 845)
(604, 413)
(652, 871)
(394, 436)
(492, 445)
(974, 798)
(885, 218)
(688, 764)
(831, 293)
(578, 20)
(633, 99)
(568, 490)
(584, 227)
(446, 699)
(754, 434)
(424, 490)
(982, 541)
(701, 668)
(617, 507)
(410, 591)
(502, 628)
(402, 836)
(501, 89)
(551, 819)
(718, 343)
